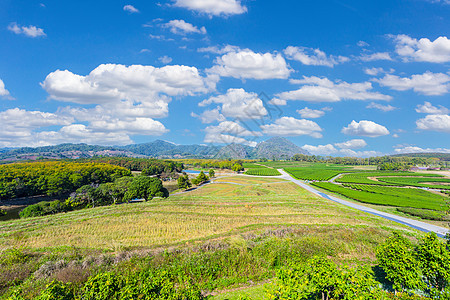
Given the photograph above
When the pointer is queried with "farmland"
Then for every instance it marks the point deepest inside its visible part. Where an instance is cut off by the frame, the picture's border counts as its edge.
(262, 172)
(257, 213)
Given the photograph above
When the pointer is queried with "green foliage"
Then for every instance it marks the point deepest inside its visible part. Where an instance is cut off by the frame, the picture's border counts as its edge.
(103, 286)
(44, 208)
(321, 279)
(148, 166)
(212, 173)
(201, 178)
(387, 166)
(384, 178)
(146, 188)
(56, 290)
(183, 182)
(13, 256)
(398, 261)
(53, 177)
(419, 182)
(2, 212)
(237, 167)
(262, 172)
(434, 259)
(314, 173)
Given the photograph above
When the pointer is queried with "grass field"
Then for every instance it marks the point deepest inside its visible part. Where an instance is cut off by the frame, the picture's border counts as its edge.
(262, 172)
(313, 173)
(211, 211)
(365, 178)
(224, 236)
(427, 182)
(390, 196)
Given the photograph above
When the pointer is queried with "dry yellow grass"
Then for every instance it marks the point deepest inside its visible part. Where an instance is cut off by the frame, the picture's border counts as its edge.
(212, 211)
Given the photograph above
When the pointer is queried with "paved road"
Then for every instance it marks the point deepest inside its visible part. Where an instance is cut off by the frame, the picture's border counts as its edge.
(440, 231)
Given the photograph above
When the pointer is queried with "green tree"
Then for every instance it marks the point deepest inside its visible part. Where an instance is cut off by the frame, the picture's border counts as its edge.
(183, 182)
(396, 257)
(147, 188)
(212, 173)
(200, 178)
(237, 168)
(434, 259)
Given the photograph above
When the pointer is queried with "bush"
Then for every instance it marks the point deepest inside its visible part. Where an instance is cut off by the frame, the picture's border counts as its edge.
(44, 208)
(103, 286)
(56, 290)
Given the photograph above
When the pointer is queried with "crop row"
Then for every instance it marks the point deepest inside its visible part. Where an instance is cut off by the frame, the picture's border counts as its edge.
(388, 196)
(312, 173)
(419, 182)
(262, 172)
(364, 177)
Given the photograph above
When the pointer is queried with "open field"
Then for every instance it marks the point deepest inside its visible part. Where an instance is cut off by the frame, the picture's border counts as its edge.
(211, 211)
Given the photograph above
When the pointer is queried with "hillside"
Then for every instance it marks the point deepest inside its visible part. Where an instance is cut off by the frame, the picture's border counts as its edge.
(440, 156)
(277, 148)
(274, 148)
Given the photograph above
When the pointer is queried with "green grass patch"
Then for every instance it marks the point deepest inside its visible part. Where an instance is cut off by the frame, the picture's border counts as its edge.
(262, 172)
(388, 196)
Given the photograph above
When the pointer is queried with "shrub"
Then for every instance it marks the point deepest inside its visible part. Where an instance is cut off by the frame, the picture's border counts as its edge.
(56, 290)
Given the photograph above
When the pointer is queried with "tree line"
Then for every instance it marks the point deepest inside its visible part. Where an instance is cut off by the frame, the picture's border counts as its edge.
(53, 177)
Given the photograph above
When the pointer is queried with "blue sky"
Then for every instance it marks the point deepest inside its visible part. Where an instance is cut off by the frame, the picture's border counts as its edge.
(337, 77)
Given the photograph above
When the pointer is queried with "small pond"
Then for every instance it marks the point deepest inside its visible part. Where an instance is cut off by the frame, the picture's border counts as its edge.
(192, 171)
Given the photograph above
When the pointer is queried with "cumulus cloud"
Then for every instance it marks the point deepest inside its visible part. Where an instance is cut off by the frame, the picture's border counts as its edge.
(365, 128)
(428, 83)
(425, 50)
(29, 31)
(428, 108)
(229, 132)
(111, 82)
(375, 56)
(289, 126)
(4, 93)
(381, 107)
(331, 150)
(317, 89)
(415, 149)
(308, 113)
(245, 64)
(352, 144)
(435, 123)
(376, 71)
(182, 27)
(237, 103)
(130, 8)
(219, 50)
(165, 59)
(210, 116)
(213, 7)
(313, 57)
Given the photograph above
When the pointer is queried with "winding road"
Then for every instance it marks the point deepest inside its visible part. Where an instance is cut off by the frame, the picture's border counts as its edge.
(440, 231)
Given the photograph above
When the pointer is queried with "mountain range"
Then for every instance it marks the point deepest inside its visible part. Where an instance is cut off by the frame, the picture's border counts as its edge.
(274, 148)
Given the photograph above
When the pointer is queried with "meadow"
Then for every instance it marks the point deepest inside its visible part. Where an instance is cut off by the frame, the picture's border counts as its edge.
(222, 236)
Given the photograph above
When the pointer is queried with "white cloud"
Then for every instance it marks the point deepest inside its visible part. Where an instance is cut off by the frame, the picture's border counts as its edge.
(210, 116)
(111, 83)
(435, 123)
(289, 126)
(308, 113)
(431, 84)
(313, 57)
(219, 50)
(183, 28)
(425, 50)
(237, 103)
(352, 144)
(331, 150)
(229, 132)
(363, 44)
(365, 128)
(29, 31)
(277, 101)
(317, 89)
(376, 71)
(415, 149)
(320, 149)
(4, 93)
(130, 8)
(375, 56)
(248, 64)
(213, 7)
(427, 108)
(381, 107)
(165, 59)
